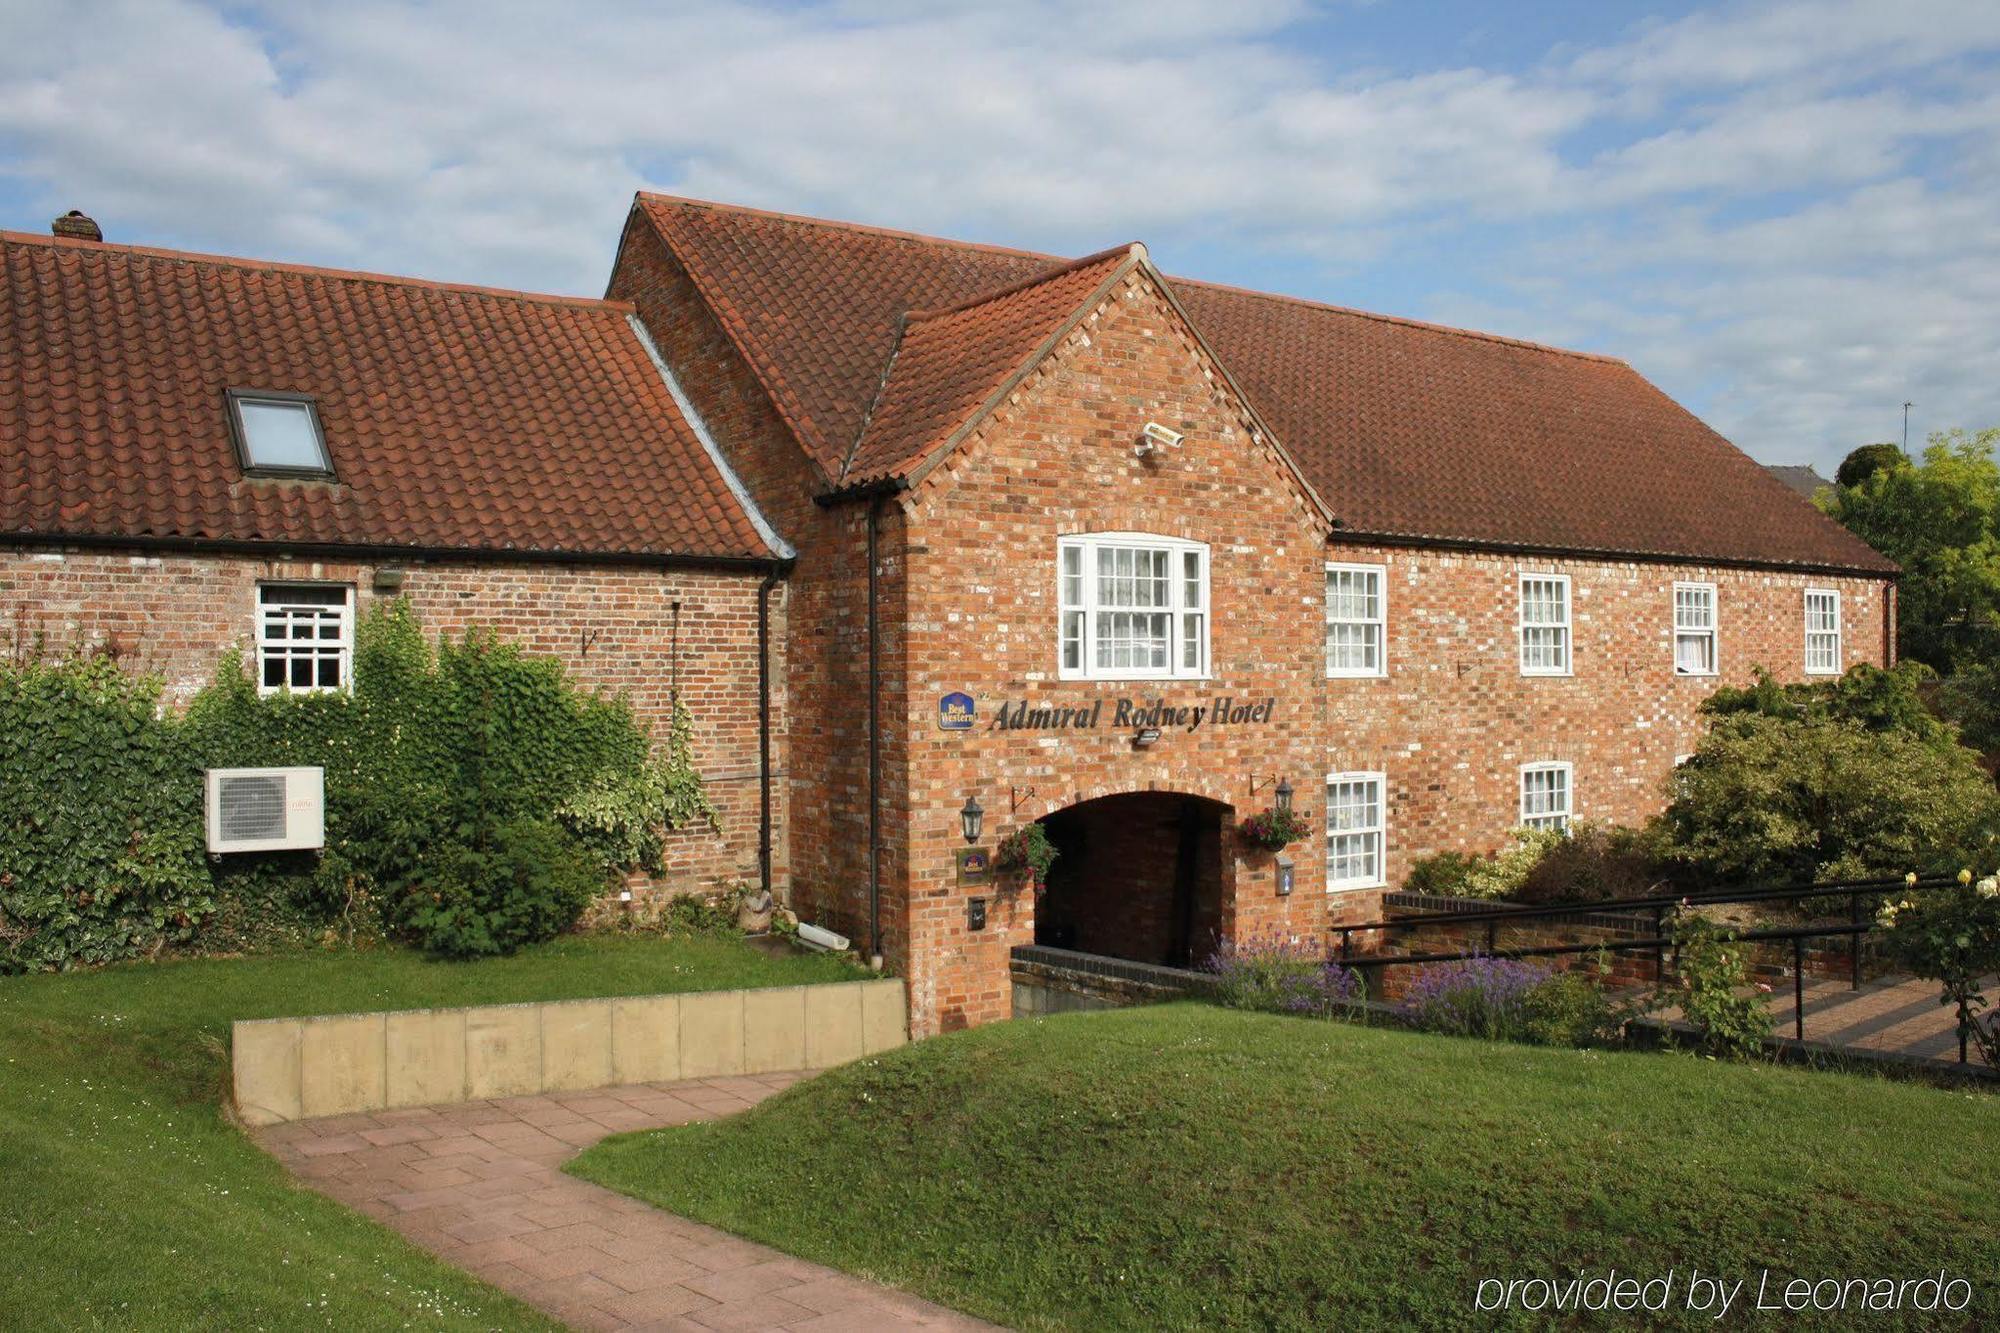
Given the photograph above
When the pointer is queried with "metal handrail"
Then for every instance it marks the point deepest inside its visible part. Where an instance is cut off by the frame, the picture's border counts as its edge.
(1660, 942)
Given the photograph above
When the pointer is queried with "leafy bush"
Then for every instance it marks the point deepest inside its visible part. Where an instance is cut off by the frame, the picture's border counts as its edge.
(1952, 936)
(1768, 800)
(1596, 863)
(1572, 1008)
(1499, 875)
(1870, 697)
(495, 889)
(1282, 977)
(1716, 996)
(438, 761)
(1442, 875)
(100, 819)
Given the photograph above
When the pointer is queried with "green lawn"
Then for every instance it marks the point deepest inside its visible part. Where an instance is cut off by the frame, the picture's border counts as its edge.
(126, 1200)
(1193, 1166)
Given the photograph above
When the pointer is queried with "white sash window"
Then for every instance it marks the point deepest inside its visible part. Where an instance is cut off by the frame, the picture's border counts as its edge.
(1545, 624)
(1694, 629)
(1823, 655)
(1133, 607)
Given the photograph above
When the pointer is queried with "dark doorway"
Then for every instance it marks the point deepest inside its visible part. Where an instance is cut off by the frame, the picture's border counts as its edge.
(1136, 876)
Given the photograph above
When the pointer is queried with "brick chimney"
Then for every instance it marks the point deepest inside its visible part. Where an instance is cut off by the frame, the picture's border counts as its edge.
(75, 225)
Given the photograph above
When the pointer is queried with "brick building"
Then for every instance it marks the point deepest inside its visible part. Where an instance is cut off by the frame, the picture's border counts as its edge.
(1067, 541)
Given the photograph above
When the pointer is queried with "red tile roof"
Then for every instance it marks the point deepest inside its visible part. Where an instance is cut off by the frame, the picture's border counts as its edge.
(458, 418)
(948, 364)
(1410, 431)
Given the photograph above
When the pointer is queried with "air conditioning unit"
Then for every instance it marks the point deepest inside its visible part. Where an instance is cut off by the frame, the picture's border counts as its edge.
(266, 809)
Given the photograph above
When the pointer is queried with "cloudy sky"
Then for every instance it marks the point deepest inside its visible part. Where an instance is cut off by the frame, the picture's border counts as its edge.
(1787, 214)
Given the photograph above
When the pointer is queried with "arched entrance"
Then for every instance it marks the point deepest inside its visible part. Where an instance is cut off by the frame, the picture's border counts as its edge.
(1137, 876)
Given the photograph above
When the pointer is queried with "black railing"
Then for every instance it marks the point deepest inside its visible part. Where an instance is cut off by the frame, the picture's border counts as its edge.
(1660, 943)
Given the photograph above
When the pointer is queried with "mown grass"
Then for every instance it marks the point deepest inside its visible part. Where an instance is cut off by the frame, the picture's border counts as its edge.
(1189, 1166)
(127, 1200)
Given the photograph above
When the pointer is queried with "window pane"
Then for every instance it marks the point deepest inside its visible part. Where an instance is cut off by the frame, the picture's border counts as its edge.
(279, 434)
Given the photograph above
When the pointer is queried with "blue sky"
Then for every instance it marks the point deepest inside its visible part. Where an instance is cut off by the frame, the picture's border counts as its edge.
(1783, 213)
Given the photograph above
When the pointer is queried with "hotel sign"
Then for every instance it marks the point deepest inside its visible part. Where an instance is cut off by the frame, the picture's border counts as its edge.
(956, 711)
(1132, 714)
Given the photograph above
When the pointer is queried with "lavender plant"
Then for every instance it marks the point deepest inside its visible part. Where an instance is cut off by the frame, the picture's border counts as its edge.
(1475, 997)
(1283, 976)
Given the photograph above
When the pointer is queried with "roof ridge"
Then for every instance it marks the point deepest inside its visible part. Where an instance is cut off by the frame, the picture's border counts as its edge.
(836, 224)
(1131, 249)
(1403, 320)
(925, 238)
(312, 270)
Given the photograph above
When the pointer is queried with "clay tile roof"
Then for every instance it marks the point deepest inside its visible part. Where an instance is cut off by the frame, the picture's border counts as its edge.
(1799, 476)
(1410, 431)
(949, 363)
(457, 418)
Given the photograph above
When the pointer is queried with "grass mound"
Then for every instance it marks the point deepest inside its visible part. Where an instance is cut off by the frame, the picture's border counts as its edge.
(1192, 1166)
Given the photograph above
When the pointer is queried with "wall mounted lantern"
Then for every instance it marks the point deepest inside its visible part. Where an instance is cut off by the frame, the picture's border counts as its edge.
(971, 819)
(1284, 794)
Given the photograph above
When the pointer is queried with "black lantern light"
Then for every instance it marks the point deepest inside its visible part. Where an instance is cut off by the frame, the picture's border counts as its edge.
(971, 818)
(1284, 795)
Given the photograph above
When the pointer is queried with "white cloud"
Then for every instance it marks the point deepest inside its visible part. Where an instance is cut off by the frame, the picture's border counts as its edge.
(1781, 212)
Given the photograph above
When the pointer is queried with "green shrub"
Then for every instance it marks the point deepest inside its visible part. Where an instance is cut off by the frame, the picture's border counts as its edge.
(1572, 1008)
(1596, 863)
(493, 889)
(1731, 1015)
(100, 819)
(1870, 697)
(1770, 801)
(433, 755)
(1952, 936)
(1442, 875)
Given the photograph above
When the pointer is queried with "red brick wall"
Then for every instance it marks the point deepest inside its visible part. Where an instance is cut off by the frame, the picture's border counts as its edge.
(1058, 458)
(1454, 719)
(825, 660)
(173, 615)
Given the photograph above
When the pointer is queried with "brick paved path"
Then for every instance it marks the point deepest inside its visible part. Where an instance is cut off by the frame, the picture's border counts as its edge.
(1898, 1014)
(478, 1185)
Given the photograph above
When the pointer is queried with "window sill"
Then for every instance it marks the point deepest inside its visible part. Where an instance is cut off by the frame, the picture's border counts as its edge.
(1697, 675)
(1357, 675)
(1133, 680)
(1353, 886)
(1547, 675)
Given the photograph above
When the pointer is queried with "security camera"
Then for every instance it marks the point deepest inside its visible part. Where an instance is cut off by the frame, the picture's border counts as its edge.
(1156, 434)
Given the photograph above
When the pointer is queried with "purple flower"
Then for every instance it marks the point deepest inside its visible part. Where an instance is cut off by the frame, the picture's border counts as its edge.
(1474, 997)
(1281, 975)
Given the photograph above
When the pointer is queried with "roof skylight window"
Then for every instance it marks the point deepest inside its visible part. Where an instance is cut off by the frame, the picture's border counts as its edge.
(278, 433)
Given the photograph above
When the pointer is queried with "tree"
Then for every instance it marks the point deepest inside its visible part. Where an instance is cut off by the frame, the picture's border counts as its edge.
(1940, 520)
(1866, 461)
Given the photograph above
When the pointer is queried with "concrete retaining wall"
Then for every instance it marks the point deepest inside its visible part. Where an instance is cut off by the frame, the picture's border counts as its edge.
(295, 1068)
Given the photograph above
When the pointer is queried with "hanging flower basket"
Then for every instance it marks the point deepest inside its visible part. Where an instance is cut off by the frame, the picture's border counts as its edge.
(1026, 849)
(1273, 830)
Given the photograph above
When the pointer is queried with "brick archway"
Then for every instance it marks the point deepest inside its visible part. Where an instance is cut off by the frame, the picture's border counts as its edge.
(1145, 876)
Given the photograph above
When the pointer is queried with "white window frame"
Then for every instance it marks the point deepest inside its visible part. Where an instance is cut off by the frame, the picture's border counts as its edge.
(1558, 819)
(340, 647)
(1836, 634)
(1379, 831)
(1085, 605)
(1379, 622)
(1566, 625)
(1712, 633)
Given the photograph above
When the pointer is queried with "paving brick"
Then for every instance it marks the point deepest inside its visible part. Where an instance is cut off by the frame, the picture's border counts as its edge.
(586, 1255)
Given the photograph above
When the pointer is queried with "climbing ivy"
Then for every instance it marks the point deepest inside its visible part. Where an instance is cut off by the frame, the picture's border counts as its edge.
(443, 763)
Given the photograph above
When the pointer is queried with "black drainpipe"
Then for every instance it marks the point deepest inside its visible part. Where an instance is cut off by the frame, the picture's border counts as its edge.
(764, 729)
(874, 747)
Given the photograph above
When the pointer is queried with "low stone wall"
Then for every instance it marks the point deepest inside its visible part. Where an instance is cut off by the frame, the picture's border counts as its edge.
(296, 1068)
(1058, 981)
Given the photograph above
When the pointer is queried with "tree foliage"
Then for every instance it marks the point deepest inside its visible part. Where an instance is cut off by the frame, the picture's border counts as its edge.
(1940, 520)
(1865, 462)
(1835, 780)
